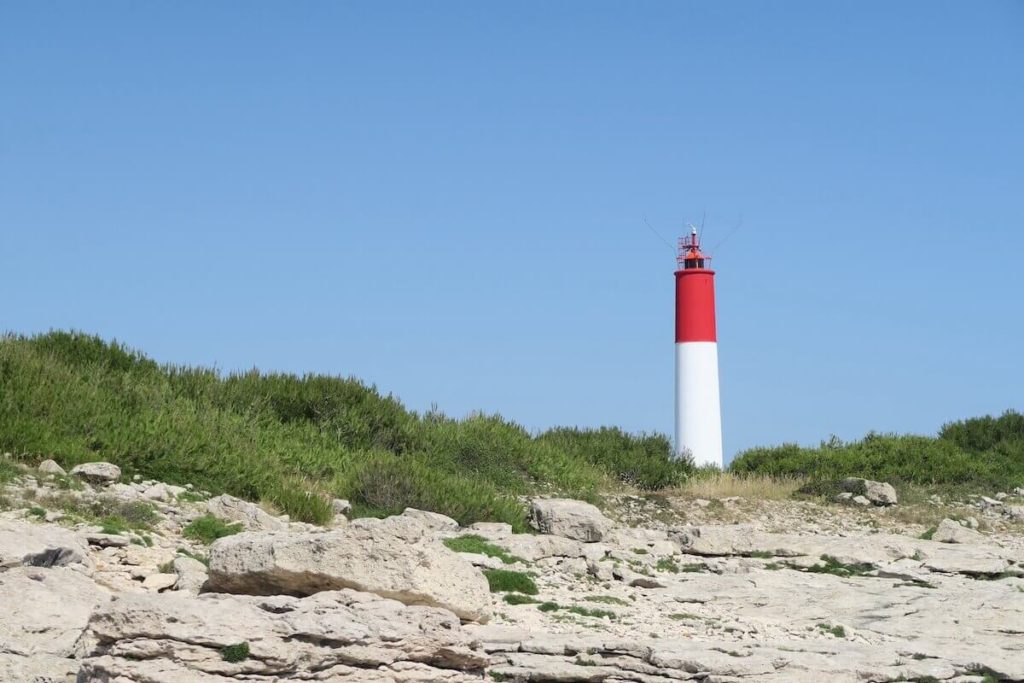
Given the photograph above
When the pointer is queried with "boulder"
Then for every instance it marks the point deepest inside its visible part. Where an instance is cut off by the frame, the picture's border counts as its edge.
(252, 516)
(432, 520)
(340, 506)
(38, 545)
(330, 636)
(191, 574)
(395, 558)
(159, 492)
(159, 582)
(877, 492)
(50, 467)
(950, 531)
(573, 519)
(97, 473)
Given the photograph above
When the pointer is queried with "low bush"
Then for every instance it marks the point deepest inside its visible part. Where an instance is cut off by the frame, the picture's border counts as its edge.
(235, 653)
(981, 454)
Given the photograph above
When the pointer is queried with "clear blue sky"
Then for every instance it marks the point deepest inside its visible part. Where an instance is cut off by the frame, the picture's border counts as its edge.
(446, 199)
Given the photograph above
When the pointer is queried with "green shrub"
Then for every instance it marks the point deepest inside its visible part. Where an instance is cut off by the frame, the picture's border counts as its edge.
(549, 606)
(235, 653)
(37, 511)
(508, 581)
(207, 529)
(982, 454)
(8, 470)
(667, 564)
(837, 631)
(644, 460)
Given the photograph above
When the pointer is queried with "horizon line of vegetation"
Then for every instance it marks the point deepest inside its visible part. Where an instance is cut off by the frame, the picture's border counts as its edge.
(297, 441)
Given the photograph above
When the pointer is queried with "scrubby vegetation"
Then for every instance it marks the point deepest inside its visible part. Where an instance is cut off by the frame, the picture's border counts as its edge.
(471, 543)
(983, 454)
(295, 442)
(508, 581)
(207, 529)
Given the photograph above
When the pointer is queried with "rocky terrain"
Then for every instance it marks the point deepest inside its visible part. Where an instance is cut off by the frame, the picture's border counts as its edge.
(141, 582)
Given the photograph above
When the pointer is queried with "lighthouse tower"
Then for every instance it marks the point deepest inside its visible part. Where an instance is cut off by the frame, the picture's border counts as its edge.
(698, 411)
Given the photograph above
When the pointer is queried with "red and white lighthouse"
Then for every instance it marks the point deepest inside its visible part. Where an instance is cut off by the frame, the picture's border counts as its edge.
(698, 410)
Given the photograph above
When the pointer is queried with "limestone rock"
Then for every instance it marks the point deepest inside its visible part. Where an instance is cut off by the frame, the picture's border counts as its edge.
(950, 531)
(45, 613)
(252, 516)
(491, 530)
(97, 473)
(159, 582)
(191, 574)
(569, 518)
(879, 493)
(331, 636)
(39, 545)
(432, 520)
(157, 491)
(102, 540)
(50, 467)
(340, 506)
(395, 558)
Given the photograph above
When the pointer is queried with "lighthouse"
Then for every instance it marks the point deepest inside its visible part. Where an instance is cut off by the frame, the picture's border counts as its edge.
(698, 410)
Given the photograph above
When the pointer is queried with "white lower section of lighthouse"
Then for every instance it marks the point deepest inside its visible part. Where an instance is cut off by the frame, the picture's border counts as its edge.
(698, 410)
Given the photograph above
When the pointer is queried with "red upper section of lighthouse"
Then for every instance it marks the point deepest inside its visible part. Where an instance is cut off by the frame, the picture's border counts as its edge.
(695, 293)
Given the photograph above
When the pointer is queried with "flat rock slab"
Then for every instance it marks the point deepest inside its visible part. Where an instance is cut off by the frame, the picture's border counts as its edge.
(45, 611)
(396, 558)
(39, 545)
(339, 635)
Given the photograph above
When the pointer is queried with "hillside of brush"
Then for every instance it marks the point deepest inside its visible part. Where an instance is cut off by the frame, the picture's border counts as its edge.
(296, 442)
(979, 455)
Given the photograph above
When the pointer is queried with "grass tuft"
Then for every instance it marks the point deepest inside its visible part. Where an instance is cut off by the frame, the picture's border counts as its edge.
(207, 529)
(831, 565)
(508, 581)
(592, 612)
(518, 599)
(478, 545)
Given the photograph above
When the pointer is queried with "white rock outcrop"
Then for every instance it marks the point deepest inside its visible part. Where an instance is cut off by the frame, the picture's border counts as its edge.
(950, 531)
(396, 558)
(50, 467)
(98, 473)
(40, 545)
(251, 516)
(877, 492)
(573, 519)
(330, 636)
